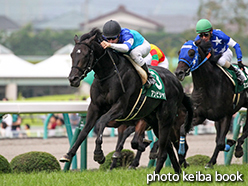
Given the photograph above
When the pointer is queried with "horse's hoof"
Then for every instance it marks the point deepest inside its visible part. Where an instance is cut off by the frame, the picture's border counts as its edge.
(147, 142)
(178, 171)
(65, 158)
(134, 145)
(153, 155)
(100, 158)
(116, 155)
(209, 166)
(185, 164)
(239, 153)
(102, 161)
(132, 167)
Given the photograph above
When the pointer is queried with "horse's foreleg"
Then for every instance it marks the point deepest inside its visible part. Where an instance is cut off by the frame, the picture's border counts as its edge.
(182, 157)
(137, 142)
(81, 137)
(123, 133)
(98, 153)
(154, 150)
(163, 142)
(173, 159)
(142, 143)
(135, 162)
(108, 119)
(222, 128)
(239, 150)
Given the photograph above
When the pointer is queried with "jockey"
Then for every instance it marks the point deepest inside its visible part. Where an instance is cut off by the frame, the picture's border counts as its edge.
(156, 57)
(128, 41)
(221, 43)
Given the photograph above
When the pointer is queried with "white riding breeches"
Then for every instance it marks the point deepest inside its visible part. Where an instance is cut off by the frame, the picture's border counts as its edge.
(226, 56)
(140, 52)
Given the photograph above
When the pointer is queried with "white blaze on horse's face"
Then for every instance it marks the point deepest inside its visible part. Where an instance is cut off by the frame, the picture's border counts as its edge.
(78, 51)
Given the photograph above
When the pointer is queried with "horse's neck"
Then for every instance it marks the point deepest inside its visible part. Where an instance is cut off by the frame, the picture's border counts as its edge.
(105, 67)
(206, 76)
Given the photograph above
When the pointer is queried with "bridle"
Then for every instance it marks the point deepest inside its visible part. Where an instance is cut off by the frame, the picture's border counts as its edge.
(196, 64)
(90, 64)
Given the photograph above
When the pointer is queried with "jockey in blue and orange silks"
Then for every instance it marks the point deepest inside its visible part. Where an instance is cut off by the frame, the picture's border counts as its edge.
(221, 43)
(129, 41)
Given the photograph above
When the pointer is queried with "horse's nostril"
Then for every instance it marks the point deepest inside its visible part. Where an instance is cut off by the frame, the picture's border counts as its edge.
(71, 78)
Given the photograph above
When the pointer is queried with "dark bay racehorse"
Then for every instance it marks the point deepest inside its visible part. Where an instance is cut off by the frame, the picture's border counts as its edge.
(114, 92)
(213, 93)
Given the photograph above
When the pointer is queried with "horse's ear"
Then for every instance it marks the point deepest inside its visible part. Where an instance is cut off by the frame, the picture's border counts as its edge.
(198, 42)
(179, 52)
(92, 38)
(76, 39)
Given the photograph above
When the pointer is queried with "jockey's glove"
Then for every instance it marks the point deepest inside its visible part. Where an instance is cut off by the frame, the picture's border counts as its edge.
(240, 64)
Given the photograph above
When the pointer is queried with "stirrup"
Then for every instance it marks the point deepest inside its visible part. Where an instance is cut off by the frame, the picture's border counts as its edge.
(149, 83)
(240, 79)
(240, 76)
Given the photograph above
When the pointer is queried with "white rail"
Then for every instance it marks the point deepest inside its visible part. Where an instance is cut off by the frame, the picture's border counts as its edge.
(43, 107)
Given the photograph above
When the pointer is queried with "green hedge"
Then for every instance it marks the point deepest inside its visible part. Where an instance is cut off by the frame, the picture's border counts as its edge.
(126, 159)
(198, 159)
(4, 165)
(34, 162)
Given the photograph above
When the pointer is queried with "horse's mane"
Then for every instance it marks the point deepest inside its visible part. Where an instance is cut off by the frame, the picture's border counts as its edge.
(206, 46)
(94, 31)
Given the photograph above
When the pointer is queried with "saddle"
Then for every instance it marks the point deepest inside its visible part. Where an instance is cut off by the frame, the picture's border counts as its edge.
(142, 73)
(233, 78)
(156, 91)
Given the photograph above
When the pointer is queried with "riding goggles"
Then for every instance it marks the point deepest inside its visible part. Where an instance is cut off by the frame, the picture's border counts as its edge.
(206, 34)
(111, 38)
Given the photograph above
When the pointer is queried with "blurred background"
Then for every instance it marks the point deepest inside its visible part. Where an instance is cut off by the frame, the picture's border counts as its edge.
(36, 38)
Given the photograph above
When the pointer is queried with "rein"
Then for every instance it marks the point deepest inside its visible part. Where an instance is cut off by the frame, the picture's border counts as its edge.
(117, 72)
(203, 61)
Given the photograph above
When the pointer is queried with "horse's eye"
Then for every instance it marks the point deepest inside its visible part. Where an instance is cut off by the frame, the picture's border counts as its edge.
(179, 52)
(191, 53)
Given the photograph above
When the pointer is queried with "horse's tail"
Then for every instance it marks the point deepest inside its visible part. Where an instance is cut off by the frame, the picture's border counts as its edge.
(188, 105)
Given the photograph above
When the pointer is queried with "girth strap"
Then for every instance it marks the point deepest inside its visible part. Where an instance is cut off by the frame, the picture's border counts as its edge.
(136, 108)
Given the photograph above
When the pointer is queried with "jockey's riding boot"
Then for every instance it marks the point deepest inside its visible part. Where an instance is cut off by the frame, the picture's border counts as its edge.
(150, 78)
(239, 74)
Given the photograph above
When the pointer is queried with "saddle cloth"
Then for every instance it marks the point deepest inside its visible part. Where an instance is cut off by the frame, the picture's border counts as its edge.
(156, 91)
(231, 74)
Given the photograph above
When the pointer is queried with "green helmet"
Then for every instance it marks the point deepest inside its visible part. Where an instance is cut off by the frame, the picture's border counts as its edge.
(203, 25)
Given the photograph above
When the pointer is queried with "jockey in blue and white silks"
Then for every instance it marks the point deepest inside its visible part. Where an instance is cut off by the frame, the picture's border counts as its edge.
(128, 41)
(221, 43)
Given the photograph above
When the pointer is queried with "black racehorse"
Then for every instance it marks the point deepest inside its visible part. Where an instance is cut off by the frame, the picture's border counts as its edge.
(114, 92)
(213, 93)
